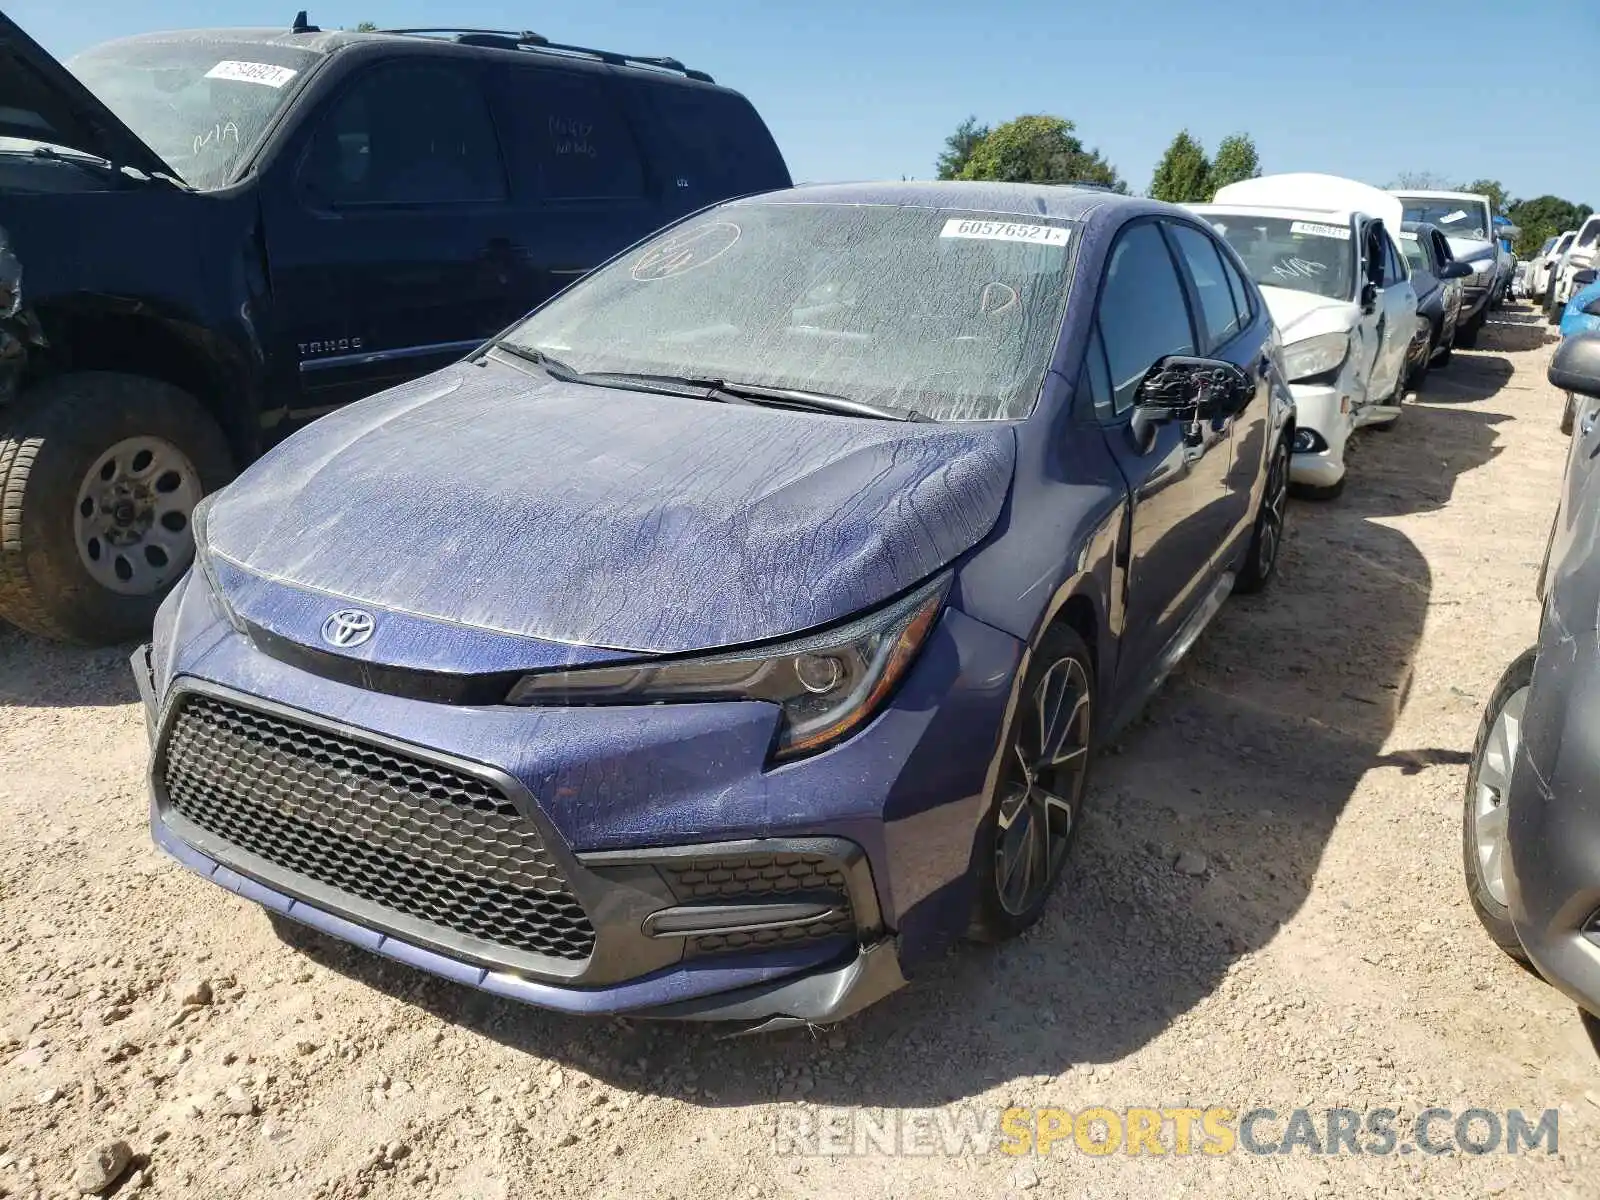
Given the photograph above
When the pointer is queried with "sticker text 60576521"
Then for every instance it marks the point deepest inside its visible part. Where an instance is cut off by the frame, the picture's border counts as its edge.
(252, 72)
(1004, 231)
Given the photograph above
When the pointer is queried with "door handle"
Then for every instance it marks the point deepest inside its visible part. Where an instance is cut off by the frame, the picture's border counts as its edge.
(1588, 423)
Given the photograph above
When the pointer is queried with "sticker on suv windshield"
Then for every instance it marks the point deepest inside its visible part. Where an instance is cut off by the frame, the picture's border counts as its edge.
(1311, 228)
(1407, 237)
(252, 72)
(1460, 214)
(1004, 231)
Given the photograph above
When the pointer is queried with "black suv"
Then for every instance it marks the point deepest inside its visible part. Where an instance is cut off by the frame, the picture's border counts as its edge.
(208, 238)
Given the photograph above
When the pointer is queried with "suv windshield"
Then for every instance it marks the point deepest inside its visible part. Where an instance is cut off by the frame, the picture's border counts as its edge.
(200, 105)
(951, 314)
(1458, 218)
(1305, 256)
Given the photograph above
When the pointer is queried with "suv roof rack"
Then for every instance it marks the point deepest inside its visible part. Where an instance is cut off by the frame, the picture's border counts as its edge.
(528, 40)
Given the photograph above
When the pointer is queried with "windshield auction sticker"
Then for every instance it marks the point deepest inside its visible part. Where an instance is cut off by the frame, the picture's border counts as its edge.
(680, 252)
(252, 72)
(1004, 231)
(1311, 229)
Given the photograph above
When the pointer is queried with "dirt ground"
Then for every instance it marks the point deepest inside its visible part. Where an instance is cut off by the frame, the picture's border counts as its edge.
(1312, 750)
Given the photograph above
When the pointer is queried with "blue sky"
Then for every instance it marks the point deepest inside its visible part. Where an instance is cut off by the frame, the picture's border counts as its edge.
(870, 88)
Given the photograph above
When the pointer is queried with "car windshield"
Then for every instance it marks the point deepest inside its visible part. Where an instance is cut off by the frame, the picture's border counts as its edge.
(1416, 255)
(200, 105)
(1457, 218)
(1305, 256)
(951, 314)
(1545, 249)
(1588, 235)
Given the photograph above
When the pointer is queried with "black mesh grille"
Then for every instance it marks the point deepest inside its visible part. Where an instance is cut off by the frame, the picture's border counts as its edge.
(412, 836)
(767, 877)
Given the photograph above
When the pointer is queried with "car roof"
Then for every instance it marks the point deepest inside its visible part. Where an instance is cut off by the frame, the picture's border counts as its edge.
(1427, 195)
(1337, 216)
(327, 41)
(1063, 201)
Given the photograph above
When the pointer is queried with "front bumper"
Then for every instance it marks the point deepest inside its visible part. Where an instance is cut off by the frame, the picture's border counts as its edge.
(613, 794)
(1326, 413)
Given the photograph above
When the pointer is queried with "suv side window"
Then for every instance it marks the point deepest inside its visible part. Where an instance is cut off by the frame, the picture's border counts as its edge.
(1210, 284)
(1393, 271)
(407, 133)
(579, 141)
(1142, 315)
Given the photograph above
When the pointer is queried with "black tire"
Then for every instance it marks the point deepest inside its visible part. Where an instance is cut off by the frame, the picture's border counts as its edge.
(1271, 523)
(48, 445)
(1494, 916)
(992, 920)
(1569, 414)
(1467, 335)
(1552, 308)
(1444, 354)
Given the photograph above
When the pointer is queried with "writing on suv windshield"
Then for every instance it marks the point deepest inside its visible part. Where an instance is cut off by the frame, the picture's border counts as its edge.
(200, 105)
(949, 315)
(1457, 218)
(1304, 256)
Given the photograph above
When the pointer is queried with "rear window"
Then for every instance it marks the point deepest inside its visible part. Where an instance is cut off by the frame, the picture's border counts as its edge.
(716, 141)
(202, 105)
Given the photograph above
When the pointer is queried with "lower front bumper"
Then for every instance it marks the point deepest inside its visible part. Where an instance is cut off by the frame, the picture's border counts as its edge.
(768, 990)
(1325, 413)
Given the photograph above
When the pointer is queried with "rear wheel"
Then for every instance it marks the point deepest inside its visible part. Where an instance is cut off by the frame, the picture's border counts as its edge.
(1485, 810)
(1467, 335)
(1025, 839)
(99, 473)
(1569, 414)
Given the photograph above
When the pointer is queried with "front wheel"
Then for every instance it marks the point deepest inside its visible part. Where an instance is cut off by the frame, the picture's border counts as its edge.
(99, 473)
(1485, 811)
(1025, 838)
(1467, 335)
(1266, 538)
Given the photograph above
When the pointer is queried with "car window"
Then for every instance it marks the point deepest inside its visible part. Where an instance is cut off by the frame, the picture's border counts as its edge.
(1242, 303)
(407, 133)
(1097, 376)
(1588, 234)
(1416, 253)
(1143, 314)
(1216, 298)
(1393, 271)
(579, 141)
(715, 141)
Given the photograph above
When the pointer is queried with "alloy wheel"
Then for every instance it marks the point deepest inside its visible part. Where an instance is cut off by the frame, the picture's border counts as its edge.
(1489, 810)
(1047, 761)
(1273, 504)
(131, 519)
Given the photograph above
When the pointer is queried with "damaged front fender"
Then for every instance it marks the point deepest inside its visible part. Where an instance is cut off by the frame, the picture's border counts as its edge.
(19, 329)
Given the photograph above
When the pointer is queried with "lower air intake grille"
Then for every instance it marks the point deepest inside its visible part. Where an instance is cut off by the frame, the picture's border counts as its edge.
(412, 836)
(764, 877)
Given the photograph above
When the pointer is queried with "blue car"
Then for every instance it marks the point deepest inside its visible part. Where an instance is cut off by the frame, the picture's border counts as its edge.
(1581, 315)
(734, 632)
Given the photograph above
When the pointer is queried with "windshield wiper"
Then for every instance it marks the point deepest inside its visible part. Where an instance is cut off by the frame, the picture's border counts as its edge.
(726, 391)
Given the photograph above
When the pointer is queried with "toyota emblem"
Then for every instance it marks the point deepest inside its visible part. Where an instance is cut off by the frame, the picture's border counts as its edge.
(348, 627)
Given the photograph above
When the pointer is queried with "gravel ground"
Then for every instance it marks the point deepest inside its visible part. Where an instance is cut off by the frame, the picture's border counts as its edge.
(1316, 948)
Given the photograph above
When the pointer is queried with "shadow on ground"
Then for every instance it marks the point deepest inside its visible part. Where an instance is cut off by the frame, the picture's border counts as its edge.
(1248, 756)
(35, 672)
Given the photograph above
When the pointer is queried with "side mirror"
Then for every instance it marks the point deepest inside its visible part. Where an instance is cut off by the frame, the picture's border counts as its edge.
(1455, 269)
(1193, 390)
(1583, 278)
(1576, 365)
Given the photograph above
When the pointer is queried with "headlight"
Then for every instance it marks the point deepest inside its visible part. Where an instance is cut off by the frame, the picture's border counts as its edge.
(825, 684)
(1316, 356)
(207, 568)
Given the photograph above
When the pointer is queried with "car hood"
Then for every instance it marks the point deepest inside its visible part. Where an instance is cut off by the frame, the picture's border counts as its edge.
(1299, 315)
(42, 101)
(505, 502)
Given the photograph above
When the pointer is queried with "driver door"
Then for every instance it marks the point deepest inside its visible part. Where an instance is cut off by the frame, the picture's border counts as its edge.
(1399, 303)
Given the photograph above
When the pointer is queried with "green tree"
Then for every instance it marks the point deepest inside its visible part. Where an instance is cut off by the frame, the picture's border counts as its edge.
(1541, 218)
(1492, 188)
(958, 148)
(1421, 181)
(1236, 160)
(1183, 176)
(367, 27)
(1039, 149)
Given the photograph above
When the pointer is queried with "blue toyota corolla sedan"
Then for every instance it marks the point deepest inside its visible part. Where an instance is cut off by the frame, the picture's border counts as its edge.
(734, 632)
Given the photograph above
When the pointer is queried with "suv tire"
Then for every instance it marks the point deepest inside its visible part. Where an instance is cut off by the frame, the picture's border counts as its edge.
(90, 464)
